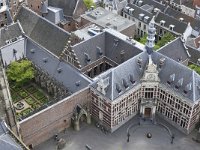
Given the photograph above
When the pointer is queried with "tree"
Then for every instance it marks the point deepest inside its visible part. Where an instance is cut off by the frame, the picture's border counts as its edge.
(167, 37)
(89, 3)
(20, 72)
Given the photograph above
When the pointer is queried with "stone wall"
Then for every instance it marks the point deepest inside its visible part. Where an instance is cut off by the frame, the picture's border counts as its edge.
(45, 124)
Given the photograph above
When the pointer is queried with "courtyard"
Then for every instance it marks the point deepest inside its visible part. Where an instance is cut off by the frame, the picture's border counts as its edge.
(97, 140)
(27, 98)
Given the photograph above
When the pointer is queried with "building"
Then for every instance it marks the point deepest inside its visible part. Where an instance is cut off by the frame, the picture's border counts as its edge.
(115, 6)
(61, 13)
(109, 77)
(106, 19)
(147, 84)
(8, 140)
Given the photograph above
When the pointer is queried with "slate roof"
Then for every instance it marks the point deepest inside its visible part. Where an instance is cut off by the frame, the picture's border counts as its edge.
(68, 76)
(194, 53)
(188, 77)
(7, 142)
(180, 27)
(111, 46)
(68, 6)
(10, 32)
(177, 15)
(42, 31)
(137, 11)
(175, 50)
(152, 3)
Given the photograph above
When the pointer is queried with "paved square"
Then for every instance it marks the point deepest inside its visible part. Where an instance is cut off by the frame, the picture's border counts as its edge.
(97, 140)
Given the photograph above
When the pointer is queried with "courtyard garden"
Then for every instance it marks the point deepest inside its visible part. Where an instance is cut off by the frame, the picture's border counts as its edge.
(27, 96)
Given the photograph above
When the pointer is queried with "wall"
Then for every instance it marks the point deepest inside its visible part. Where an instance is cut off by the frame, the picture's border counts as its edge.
(45, 124)
(35, 5)
(7, 51)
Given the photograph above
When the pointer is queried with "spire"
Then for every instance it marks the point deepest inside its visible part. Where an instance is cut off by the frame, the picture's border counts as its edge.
(151, 36)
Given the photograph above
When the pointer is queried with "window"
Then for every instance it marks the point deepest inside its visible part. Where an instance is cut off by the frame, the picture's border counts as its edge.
(139, 24)
(144, 27)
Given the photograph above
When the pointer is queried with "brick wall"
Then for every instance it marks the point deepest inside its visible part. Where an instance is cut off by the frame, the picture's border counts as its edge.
(48, 122)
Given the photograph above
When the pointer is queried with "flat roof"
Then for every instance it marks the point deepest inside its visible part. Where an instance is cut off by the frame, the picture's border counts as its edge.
(105, 18)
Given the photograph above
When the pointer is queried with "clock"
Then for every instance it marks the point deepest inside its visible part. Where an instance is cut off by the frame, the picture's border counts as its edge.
(151, 77)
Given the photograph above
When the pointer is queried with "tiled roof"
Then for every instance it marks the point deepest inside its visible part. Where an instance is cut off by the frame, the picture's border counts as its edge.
(42, 31)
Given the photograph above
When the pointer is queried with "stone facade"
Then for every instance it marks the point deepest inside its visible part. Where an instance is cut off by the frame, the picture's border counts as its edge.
(50, 121)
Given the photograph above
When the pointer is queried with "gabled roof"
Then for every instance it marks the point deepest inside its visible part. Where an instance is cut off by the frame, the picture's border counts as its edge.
(185, 81)
(68, 6)
(9, 32)
(152, 3)
(179, 27)
(175, 50)
(42, 31)
(7, 142)
(123, 71)
(177, 15)
(111, 46)
(68, 75)
(137, 11)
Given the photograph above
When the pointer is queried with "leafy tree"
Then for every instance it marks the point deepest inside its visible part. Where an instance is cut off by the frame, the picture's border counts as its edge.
(89, 3)
(164, 40)
(167, 37)
(20, 72)
(195, 68)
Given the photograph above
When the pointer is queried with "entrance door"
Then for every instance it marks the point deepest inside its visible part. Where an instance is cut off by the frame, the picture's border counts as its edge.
(147, 112)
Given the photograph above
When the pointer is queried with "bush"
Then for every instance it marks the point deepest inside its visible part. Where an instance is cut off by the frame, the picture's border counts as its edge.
(23, 94)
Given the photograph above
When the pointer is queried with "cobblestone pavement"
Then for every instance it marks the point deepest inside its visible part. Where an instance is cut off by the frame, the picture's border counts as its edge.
(97, 140)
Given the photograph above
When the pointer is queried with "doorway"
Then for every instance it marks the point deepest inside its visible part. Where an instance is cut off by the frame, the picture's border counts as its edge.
(147, 112)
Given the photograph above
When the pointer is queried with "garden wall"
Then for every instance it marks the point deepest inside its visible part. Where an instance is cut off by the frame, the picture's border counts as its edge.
(45, 124)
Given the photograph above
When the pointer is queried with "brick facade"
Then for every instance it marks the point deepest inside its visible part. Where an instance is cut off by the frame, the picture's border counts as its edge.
(48, 122)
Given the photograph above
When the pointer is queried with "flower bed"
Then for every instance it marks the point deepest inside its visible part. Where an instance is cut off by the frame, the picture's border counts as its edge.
(23, 94)
(15, 97)
(31, 89)
(26, 112)
(38, 95)
(30, 100)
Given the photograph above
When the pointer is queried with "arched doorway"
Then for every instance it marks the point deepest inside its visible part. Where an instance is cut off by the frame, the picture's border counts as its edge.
(81, 115)
(147, 112)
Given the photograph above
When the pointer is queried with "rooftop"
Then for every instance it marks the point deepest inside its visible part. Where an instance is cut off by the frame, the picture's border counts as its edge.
(105, 18)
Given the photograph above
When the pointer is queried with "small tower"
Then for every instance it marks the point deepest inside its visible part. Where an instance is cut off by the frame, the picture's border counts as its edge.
(151, 36)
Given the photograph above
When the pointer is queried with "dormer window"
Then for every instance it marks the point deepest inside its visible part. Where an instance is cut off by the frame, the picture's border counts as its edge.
(59, 70)
(131, 79)
(87, 57)
(125, 83)
(118, 88)
(171, 27)
(32, 51)
(141, 16)
(99, 51)
(131, 10)
(45, 60)
(162, 22)
(146, 19)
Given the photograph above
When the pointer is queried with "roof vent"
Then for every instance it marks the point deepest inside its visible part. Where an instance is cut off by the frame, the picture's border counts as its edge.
(141, 16)
(59, 70)
(118, 88)
(32, 51)
(125, 83)
(87, 57)
(45, 60)
(78, 83)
